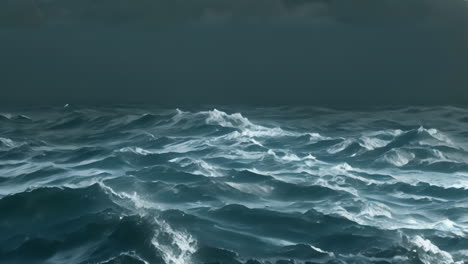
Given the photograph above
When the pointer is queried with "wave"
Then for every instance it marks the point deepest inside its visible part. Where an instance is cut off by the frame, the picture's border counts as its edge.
(7, 143)
(238, 185)
(429, 252)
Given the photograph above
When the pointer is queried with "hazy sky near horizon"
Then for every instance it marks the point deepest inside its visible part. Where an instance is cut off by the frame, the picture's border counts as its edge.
(166, 12)
(321, 52)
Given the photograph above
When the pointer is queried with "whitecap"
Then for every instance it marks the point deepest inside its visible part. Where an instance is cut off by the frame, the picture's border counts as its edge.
(291, 157)
(398, 157)
(135, 150)
(371, 143)
(201, 167)
(135, 200)
(430, 253)
(221, 118)
(8, 142)
(181, 248)
(437, 138)
(246, 127)
(374, 209)
(448, 225)
(6, 115)
(339, 147)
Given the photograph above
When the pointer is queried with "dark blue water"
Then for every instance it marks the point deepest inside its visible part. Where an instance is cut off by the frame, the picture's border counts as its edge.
(233, 185)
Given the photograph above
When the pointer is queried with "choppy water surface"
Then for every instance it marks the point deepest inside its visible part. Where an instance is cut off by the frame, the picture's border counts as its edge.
(234, 185)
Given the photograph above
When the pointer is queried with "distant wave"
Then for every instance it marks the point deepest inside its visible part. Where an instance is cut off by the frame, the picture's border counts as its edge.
(233, 185)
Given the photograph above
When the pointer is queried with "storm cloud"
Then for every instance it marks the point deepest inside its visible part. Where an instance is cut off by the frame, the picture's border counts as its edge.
(322, 52)
(167, 12)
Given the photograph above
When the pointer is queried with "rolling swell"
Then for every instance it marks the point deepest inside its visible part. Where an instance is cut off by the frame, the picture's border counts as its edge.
(302, 185)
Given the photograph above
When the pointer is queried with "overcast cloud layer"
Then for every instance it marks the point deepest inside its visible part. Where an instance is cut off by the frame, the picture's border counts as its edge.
(164, 12)
(323, 52)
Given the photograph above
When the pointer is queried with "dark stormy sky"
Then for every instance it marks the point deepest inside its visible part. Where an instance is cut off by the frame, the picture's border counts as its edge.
(339, 53)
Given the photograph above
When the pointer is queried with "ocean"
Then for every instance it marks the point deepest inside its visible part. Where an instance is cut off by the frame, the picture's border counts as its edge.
(233, 184)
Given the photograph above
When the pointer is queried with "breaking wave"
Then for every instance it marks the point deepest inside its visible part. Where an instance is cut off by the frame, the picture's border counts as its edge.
(238, 185)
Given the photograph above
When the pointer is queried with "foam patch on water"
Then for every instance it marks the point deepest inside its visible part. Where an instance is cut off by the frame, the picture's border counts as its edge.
(339, 147)
(375, 209)
(9, 143)
(440, 137)
(430, 253)
(247, 128)
(180, 246)
(135, 150)
(398, 157)
(371, 143)
(199, 167)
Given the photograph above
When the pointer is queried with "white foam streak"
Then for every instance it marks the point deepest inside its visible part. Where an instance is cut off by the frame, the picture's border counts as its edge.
(371, 143)
(339, 147)
(375, 209)
(9, 143)
(182, 246)
(252, 188)
(202, 167)
(131, 254)
(135, 150)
